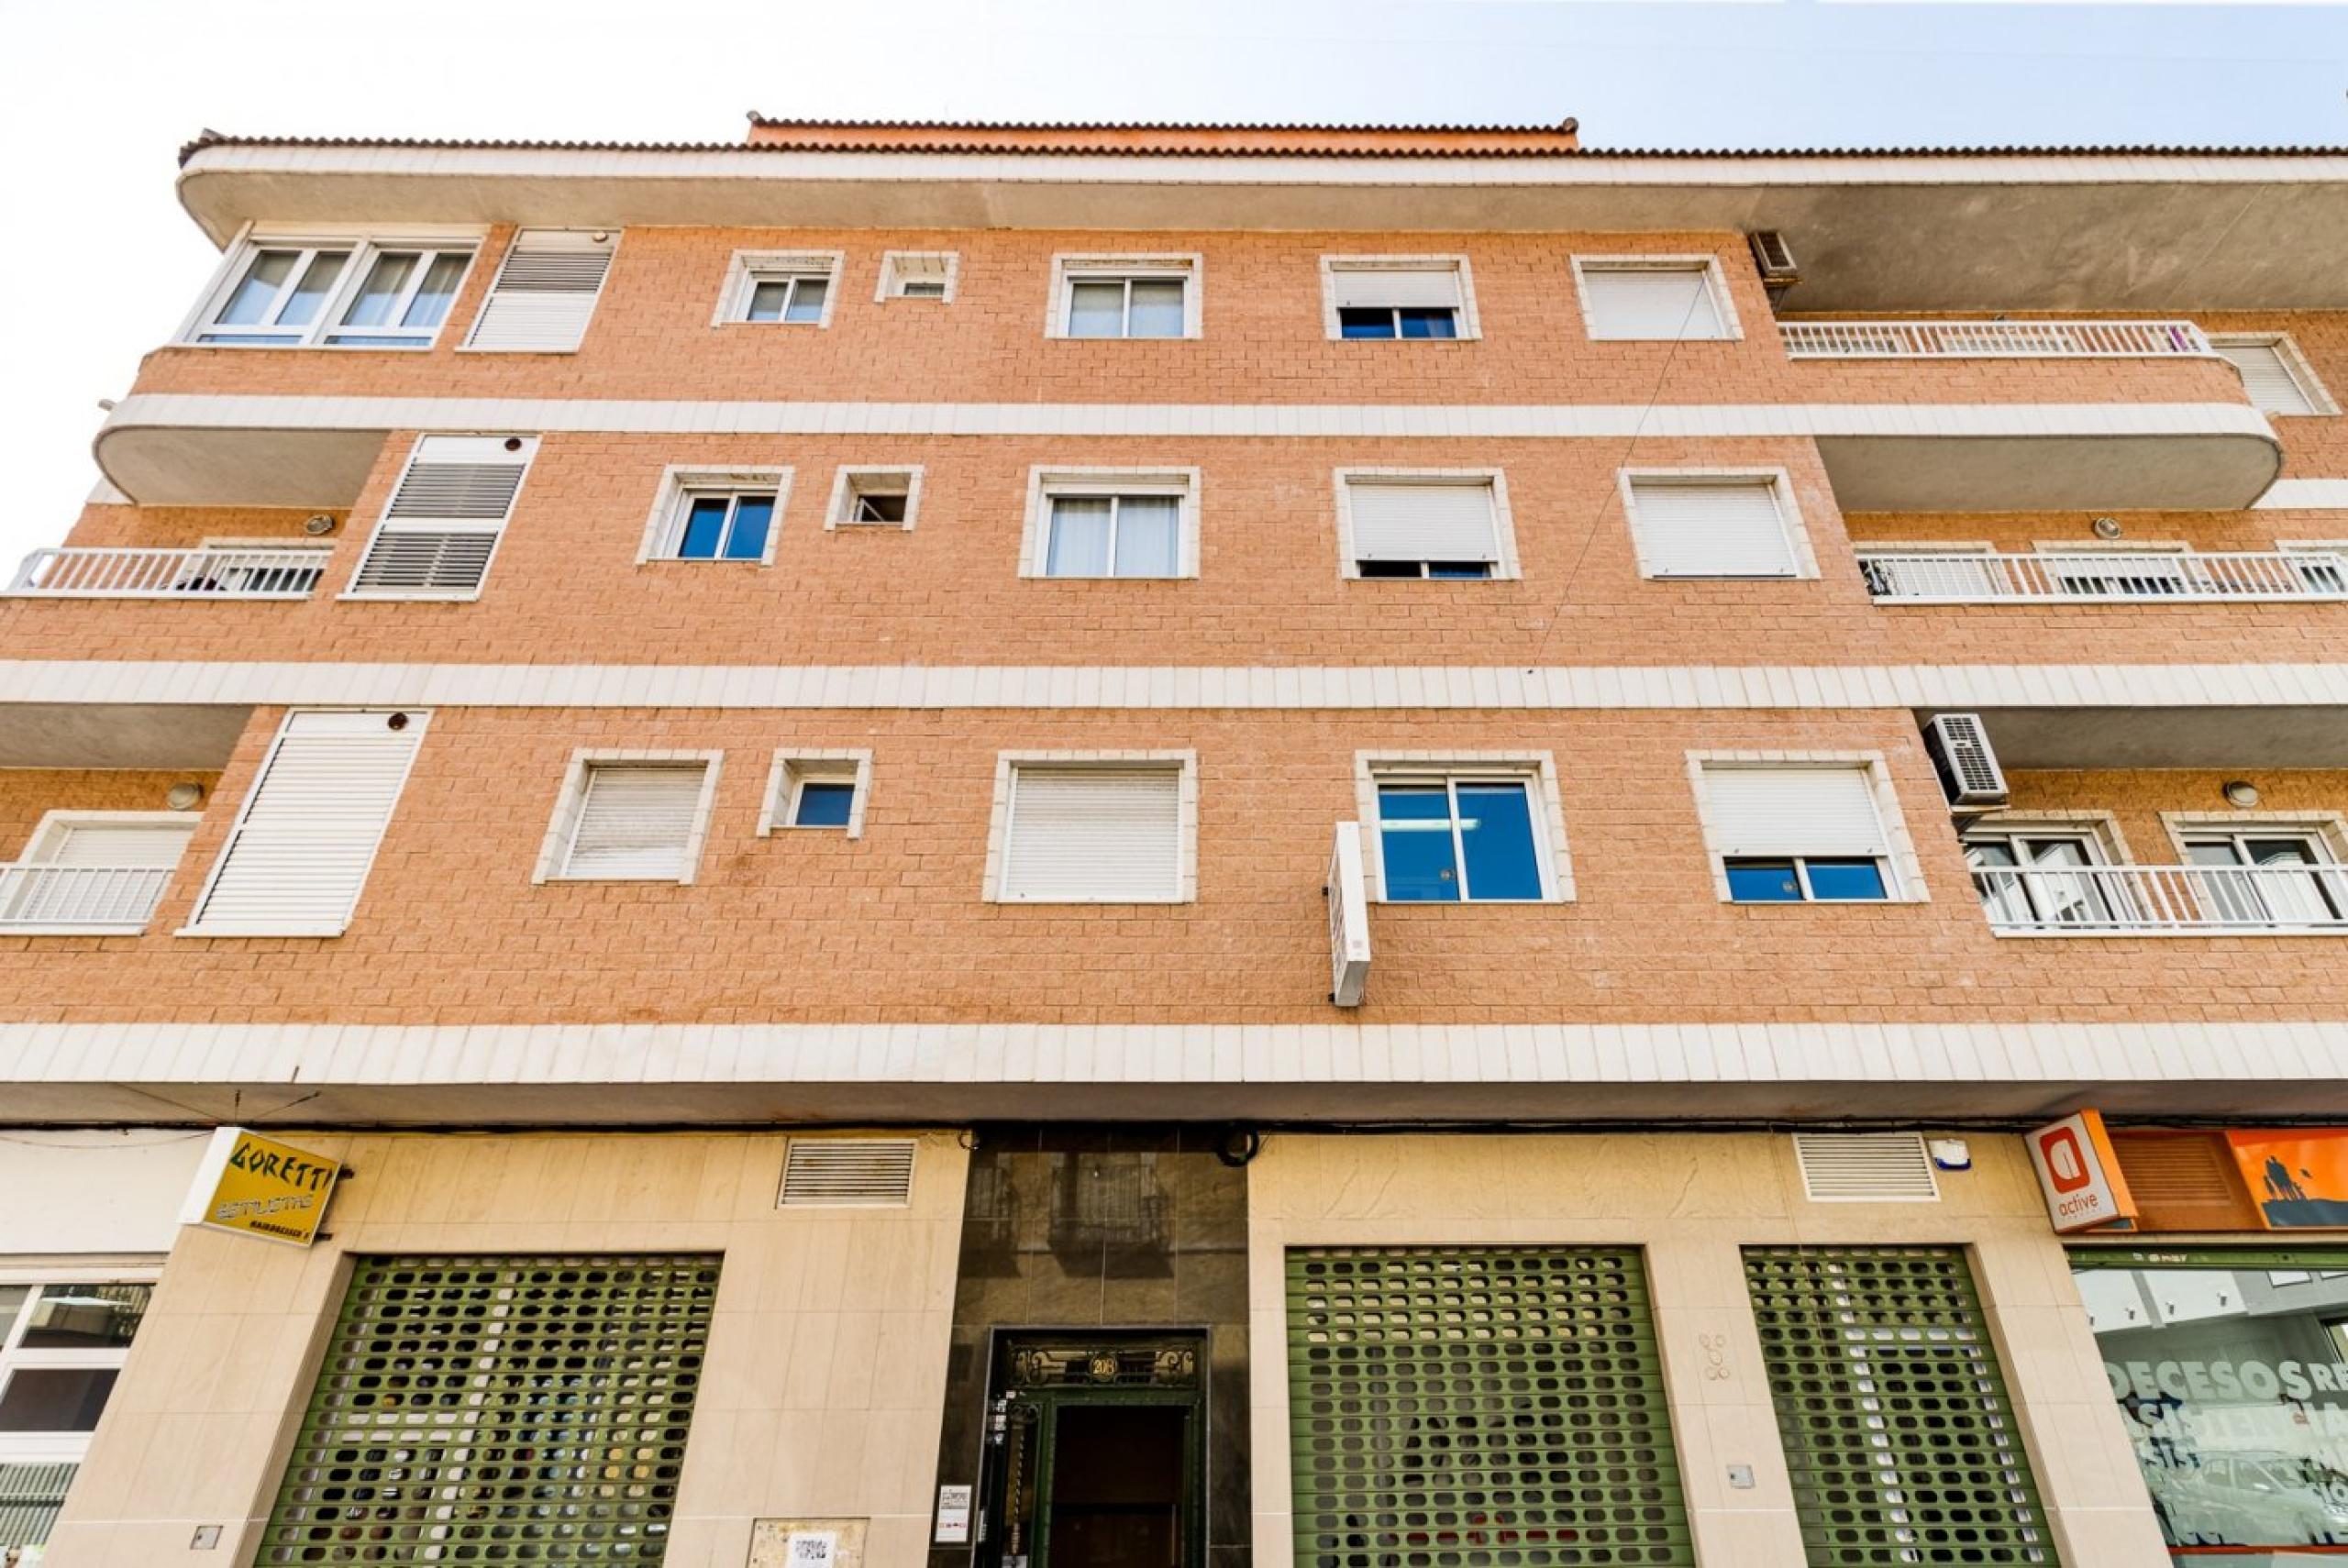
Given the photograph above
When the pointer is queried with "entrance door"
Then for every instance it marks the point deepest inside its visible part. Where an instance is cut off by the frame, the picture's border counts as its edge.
(1095, 1458)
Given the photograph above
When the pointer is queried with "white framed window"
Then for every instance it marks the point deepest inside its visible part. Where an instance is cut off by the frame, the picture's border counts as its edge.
(2323, 563)
(545, 291)
(2293, 863)
(334, 288)
(918, 275)
(874, 496)
(1666, 299)
(65, 1333)
(1463, 827)
(448, 509)
(1397, 298)
(1804, 827)
(1126, 296)
(1111, 522)
(93, 871)
(1094, 828)
(780, 288)
(1447, 524)
(1716, 523)
(2274, 372)
(716, 514)
(110, 838)
(818, 791)
(630, 816)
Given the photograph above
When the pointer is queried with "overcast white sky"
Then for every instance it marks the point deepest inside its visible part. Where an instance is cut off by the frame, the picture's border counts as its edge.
(96, 97)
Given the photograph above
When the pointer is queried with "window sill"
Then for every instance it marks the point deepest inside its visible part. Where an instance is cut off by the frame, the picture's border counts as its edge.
(309, 348)
(140, 930)
(561, 879)
(1545, 899)
(356, 597)
(1091, 903)
(248, 932)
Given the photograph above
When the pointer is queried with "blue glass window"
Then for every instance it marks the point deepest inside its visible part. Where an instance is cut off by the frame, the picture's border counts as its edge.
(1794, 881)
(1429, 322)
(1365, 321)
(1390, 321)
(1764, 882)
(725, 527)
(823, 804)
(1449, 841)
(1846, 880)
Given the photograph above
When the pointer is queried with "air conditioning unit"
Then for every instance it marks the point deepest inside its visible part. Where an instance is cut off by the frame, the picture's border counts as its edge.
(1959, 746)
(1775, 258)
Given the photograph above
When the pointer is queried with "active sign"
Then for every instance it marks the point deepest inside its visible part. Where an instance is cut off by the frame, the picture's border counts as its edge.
(2079, 1174)
(259, 1186)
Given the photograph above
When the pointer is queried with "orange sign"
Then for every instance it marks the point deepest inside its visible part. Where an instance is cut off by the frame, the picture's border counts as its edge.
(2079, 1174)
(2298, 1175)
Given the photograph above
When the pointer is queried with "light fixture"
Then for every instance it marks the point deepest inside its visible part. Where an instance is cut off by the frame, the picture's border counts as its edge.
(317, 523)
(2106, 527)
(2240, 794)
(183, 797)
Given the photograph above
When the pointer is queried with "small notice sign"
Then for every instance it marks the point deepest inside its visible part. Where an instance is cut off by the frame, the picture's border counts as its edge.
(259, 1186)
(812, 1549)
(953, 1517)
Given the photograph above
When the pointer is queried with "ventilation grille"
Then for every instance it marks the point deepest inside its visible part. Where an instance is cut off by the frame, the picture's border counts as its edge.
(1899, 1438)
(845, 1172)
(2183, 1182)
(1466, 1405)
(554, 271)
(479, 492)
(1865, 1167)
(498, 1410)
(30, 1497)
(425, 560)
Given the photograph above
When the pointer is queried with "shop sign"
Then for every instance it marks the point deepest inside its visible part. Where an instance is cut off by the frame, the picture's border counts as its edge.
(2297, 1176)
(259, 1186)
(2079, 1174)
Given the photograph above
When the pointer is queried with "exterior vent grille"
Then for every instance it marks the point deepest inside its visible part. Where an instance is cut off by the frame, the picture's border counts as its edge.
(1959, 745)
(2183, 1182)
(545, 292)
(554, 271)
(418, 561)
(1865, 1167)
(849, 1172)
(472, 491)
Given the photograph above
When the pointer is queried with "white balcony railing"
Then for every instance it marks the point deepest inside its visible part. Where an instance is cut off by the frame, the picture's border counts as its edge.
(1993, 340)
(215, 573)
(2118, 577)
(95, 898)
(2127, 900)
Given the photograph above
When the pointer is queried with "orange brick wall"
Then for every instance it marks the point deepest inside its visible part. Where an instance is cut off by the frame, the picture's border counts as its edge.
(26, 794)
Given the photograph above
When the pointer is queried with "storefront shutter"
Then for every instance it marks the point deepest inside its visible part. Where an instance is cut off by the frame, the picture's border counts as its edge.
(1899, 1438)
(1452, 1406)
(499, 1409)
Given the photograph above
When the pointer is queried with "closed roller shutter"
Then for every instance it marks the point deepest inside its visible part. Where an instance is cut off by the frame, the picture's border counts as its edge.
(1094, 835)
(451, 505)
(1668, 303)
(2266, 376)
(1793, 810)
(119, 844)
(1728, 528)
(1403, 520)
(545, 292)
(499, 1410)
(1397, 286)
(300, 851)
(636, 823)
(1899, 1438)
(1460, 1406)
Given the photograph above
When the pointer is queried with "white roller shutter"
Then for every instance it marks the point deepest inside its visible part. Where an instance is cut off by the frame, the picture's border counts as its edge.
(117, 844)
(1390, 286)
(299, 854)
(1825, 811)
(2267, 377)
(1094, 835)
(1652, 303)
(636, 823)
(1728, 528)
(450, 504)
(545, 292)
(1405, 520)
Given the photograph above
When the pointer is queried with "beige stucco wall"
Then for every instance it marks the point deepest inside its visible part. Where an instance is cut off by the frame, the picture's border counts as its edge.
(1691, 1201)
(827, 1365)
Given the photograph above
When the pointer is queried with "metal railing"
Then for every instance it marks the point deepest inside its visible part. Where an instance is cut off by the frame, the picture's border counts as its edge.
(2106, 900)
(2117, 578)
(218, 573)
(118, 898)
(1993, 339)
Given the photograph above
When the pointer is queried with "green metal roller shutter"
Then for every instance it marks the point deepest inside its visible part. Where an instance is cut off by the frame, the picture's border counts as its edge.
(1897, 1430)
(499, 1409)
(1458, 1406)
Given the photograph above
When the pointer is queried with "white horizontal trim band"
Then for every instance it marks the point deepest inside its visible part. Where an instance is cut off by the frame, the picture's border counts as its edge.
(314, 1055)
(1815, 420)
(325, 683)
(2307, 494)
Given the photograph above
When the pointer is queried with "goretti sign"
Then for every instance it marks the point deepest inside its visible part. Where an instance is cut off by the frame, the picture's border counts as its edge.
(259, 1186)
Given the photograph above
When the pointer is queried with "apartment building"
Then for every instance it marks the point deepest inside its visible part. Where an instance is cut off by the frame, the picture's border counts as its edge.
(1051, 846)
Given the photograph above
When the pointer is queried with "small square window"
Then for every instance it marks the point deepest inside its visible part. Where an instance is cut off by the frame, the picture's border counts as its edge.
(918, 275)
(716, 516)
(819, 790)
(874, 498)
(823, 804)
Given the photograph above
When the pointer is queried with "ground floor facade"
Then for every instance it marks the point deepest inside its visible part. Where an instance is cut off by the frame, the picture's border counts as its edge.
(1153, 1346)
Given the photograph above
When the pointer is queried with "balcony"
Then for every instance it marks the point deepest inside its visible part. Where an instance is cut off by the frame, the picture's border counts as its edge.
(93, 900)
(2275, 899)
(1994, 340)
(269, 573)
(1957, 577)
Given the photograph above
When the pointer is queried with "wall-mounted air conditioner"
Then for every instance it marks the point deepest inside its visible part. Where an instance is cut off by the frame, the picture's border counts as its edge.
(1775, 258)
(1958, 744)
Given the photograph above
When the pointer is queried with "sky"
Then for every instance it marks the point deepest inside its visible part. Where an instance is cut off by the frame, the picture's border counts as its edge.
(96, 95)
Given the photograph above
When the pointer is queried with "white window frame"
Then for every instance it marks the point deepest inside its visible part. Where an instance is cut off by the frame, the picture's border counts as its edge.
(1068, 270)
(1047, 482)
(2296, 365)
(2100, 828)
(1184, 763)
(679, 484)
(1505, 570)
(1715, 280)
(845, 490)
(2326, 829)
(1535, 770)
(54, 824)
(1903, 870)
(2317, 547)
(1780, 481)
(364, 243)
(892, 281)
(1468, 328)
(60, 1447)
(748, 269)
(562, 827)
(795, 767)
